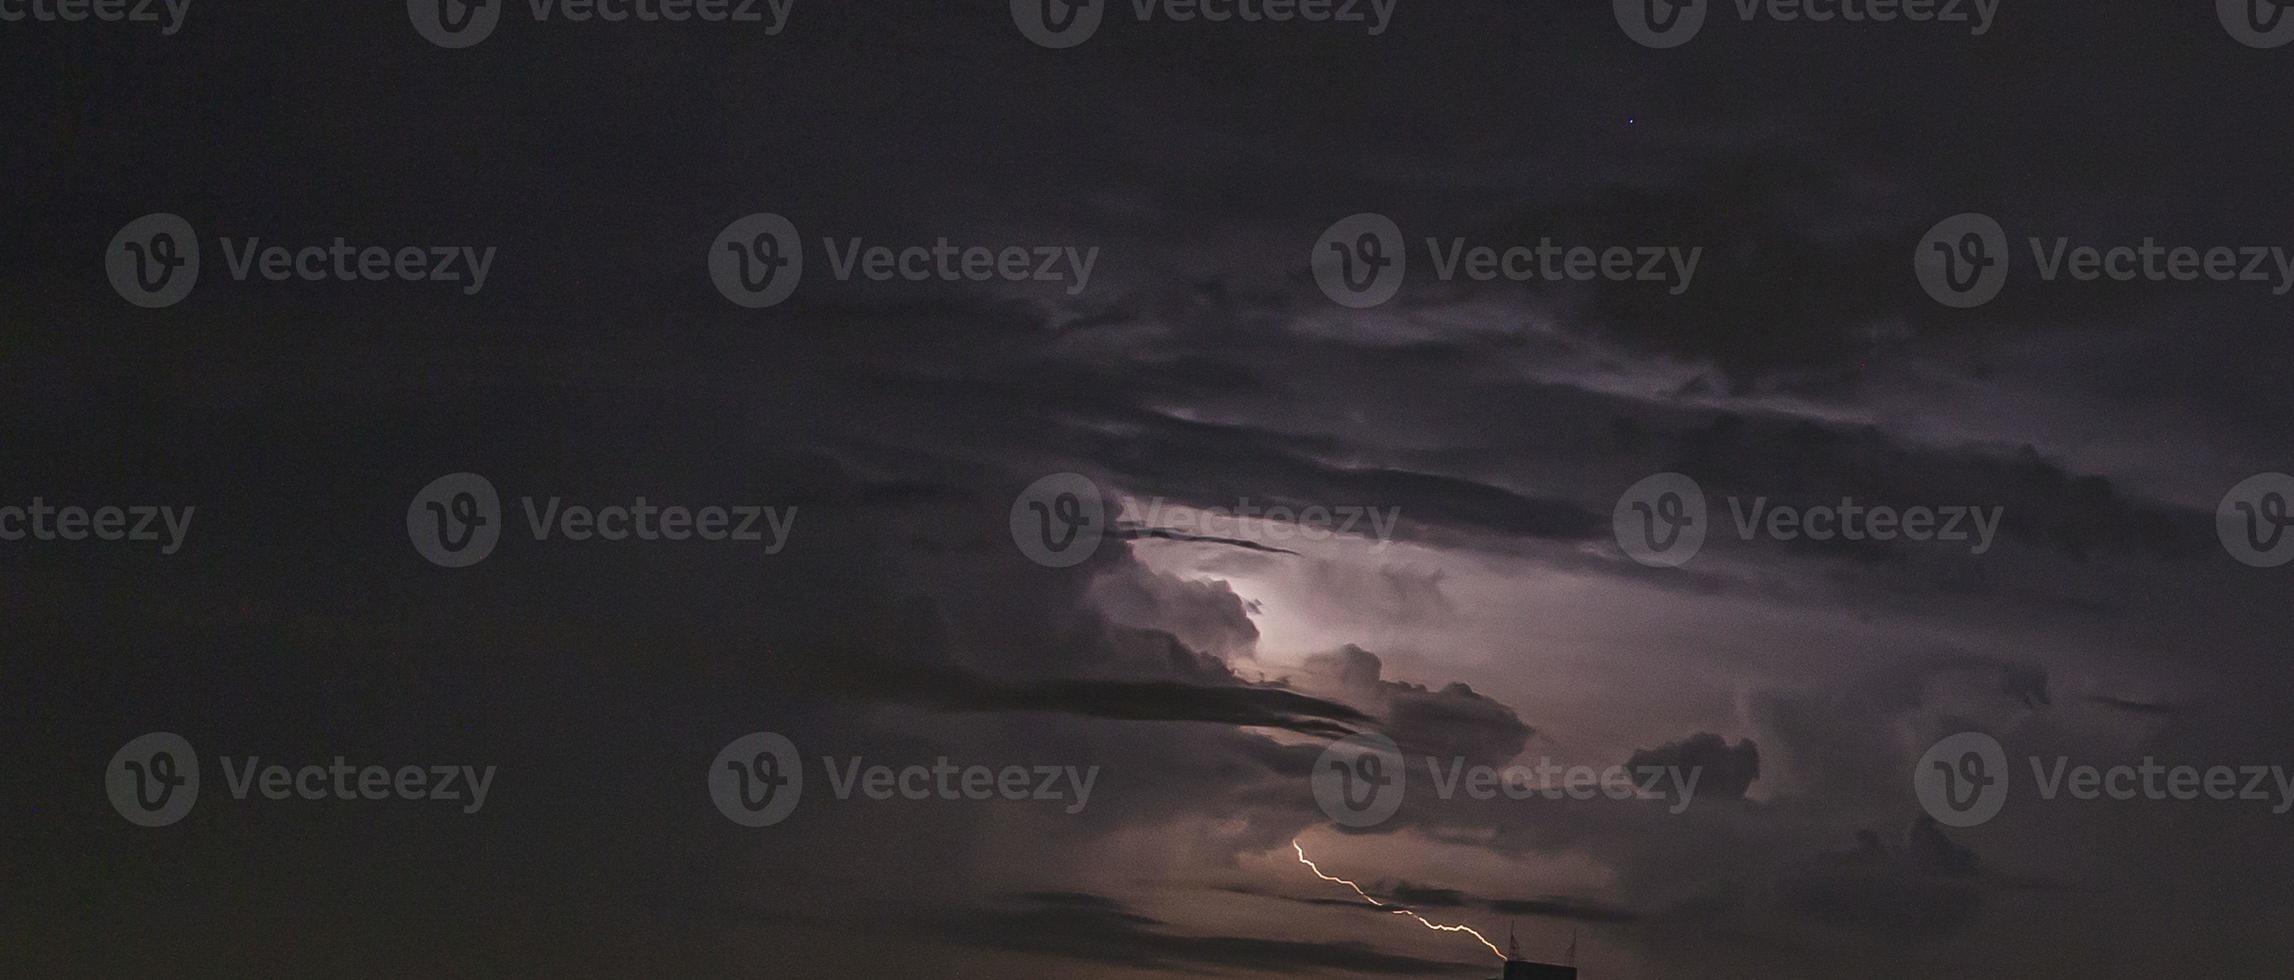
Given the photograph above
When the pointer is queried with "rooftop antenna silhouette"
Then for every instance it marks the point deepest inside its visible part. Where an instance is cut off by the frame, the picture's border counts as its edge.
(1512, 945)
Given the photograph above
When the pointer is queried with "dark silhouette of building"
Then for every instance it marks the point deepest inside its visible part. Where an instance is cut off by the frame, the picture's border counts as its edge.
(1517, 968)
(1526, 970)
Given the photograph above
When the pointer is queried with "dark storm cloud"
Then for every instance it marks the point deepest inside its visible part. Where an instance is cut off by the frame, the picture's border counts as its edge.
(2138, 707)
(1804, 463)
(1422, 897)
(1920, 888)
(1425, 897)
(1559, 909)
(1725, 771)
(1169, 456)
(1208, 369)
(1098, 414)
(1097, 929)
(1235, 703)
(1165, 534)
(1953, 673)
(1170, 701)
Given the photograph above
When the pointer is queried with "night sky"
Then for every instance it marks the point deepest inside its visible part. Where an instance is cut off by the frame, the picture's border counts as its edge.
(1488, 608)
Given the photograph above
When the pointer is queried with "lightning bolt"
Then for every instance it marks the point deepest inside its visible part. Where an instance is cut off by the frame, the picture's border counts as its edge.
(1422, 920)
